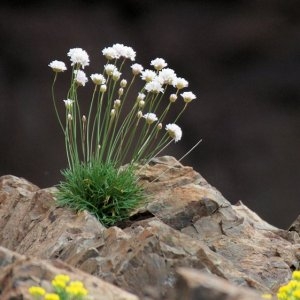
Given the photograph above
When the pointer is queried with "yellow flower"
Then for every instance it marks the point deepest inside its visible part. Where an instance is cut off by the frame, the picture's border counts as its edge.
(296, 294)
(62, 277)
(76, 288)
(296, 275)
(36, 291)
(52, 296)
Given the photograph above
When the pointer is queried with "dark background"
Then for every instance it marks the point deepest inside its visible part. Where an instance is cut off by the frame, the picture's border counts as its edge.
(241, 58)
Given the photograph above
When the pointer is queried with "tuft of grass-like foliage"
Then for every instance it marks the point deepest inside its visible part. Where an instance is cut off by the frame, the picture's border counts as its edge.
(107, 192)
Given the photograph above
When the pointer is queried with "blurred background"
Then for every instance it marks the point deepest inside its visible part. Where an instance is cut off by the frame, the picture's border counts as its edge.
(241, 58)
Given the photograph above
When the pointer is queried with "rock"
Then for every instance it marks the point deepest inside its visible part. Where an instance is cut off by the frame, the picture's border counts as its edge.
(19, 272)
(186, 223)
(194, 285)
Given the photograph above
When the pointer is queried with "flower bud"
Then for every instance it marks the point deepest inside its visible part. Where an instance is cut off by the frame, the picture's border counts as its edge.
(116, 75)
(117, 103)
(120, 92)
(83, 119)
(70, 118)
(139, 114)
(103, 88)
(123, 83)
(141, 104)
(159, 126)
(112, 112)
(173, 98)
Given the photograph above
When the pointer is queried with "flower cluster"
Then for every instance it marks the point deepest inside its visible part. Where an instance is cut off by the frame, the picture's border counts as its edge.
(63, 289)
(290, 291)
(102, 131)
(121, 126)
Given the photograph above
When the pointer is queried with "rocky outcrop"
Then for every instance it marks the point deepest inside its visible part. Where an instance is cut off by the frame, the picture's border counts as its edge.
(18, 273)
(185, 224)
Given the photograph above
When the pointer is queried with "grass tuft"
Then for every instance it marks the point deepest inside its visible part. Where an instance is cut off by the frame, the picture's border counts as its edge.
(107, 192)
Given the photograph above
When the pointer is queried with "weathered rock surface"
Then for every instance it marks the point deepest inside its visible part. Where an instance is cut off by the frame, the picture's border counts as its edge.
(186, 223)
(18, 273)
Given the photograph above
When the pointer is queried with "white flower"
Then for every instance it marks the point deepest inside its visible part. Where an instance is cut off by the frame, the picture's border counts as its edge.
(116, 75)
(79, 56)
(129, 53)
(57, 66)
(124, 51)
(158, 63)
(174, 131)
(68, 103)
(148, 75)
(123, 83)
(180, 83)
(103, 88)
(112, 112)
(109, 69)
(188, 96)
(110, 53)
(117, 103)
(150, 118)
(98, 79)
(173, 98)
(154, 86)
(120, 92)
(141, 104)
(139, 114)
(137, 69)
(167, 76)
(141, 96)
(80, 77)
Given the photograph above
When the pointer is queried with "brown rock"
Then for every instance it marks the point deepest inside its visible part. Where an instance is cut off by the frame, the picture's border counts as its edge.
(18, 273)
(185, 223)
(194, 285)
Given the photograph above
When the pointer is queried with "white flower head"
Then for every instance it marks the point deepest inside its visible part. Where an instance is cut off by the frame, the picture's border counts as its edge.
(174, 131)
(188, 96)
(120, 92)
(103, 88)
(124, 51)
(69, 103)
(123, 83)
(180, 83)
(109, 69)
(98, 79)
(150, 118)
(173, 98)
(148, 75)
(110, 53)
(79, 56)
(117, 103)
(58, 66)
(158, 63)
(154, 86)
(129, 53)
(167, 76)
(141, 104)
(139, 114)
(116, 75)
(137, 69)
(80, 77)
(112, 112)
(141, 96)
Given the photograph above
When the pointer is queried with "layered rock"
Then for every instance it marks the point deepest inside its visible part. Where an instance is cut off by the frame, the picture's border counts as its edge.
(186, 223)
